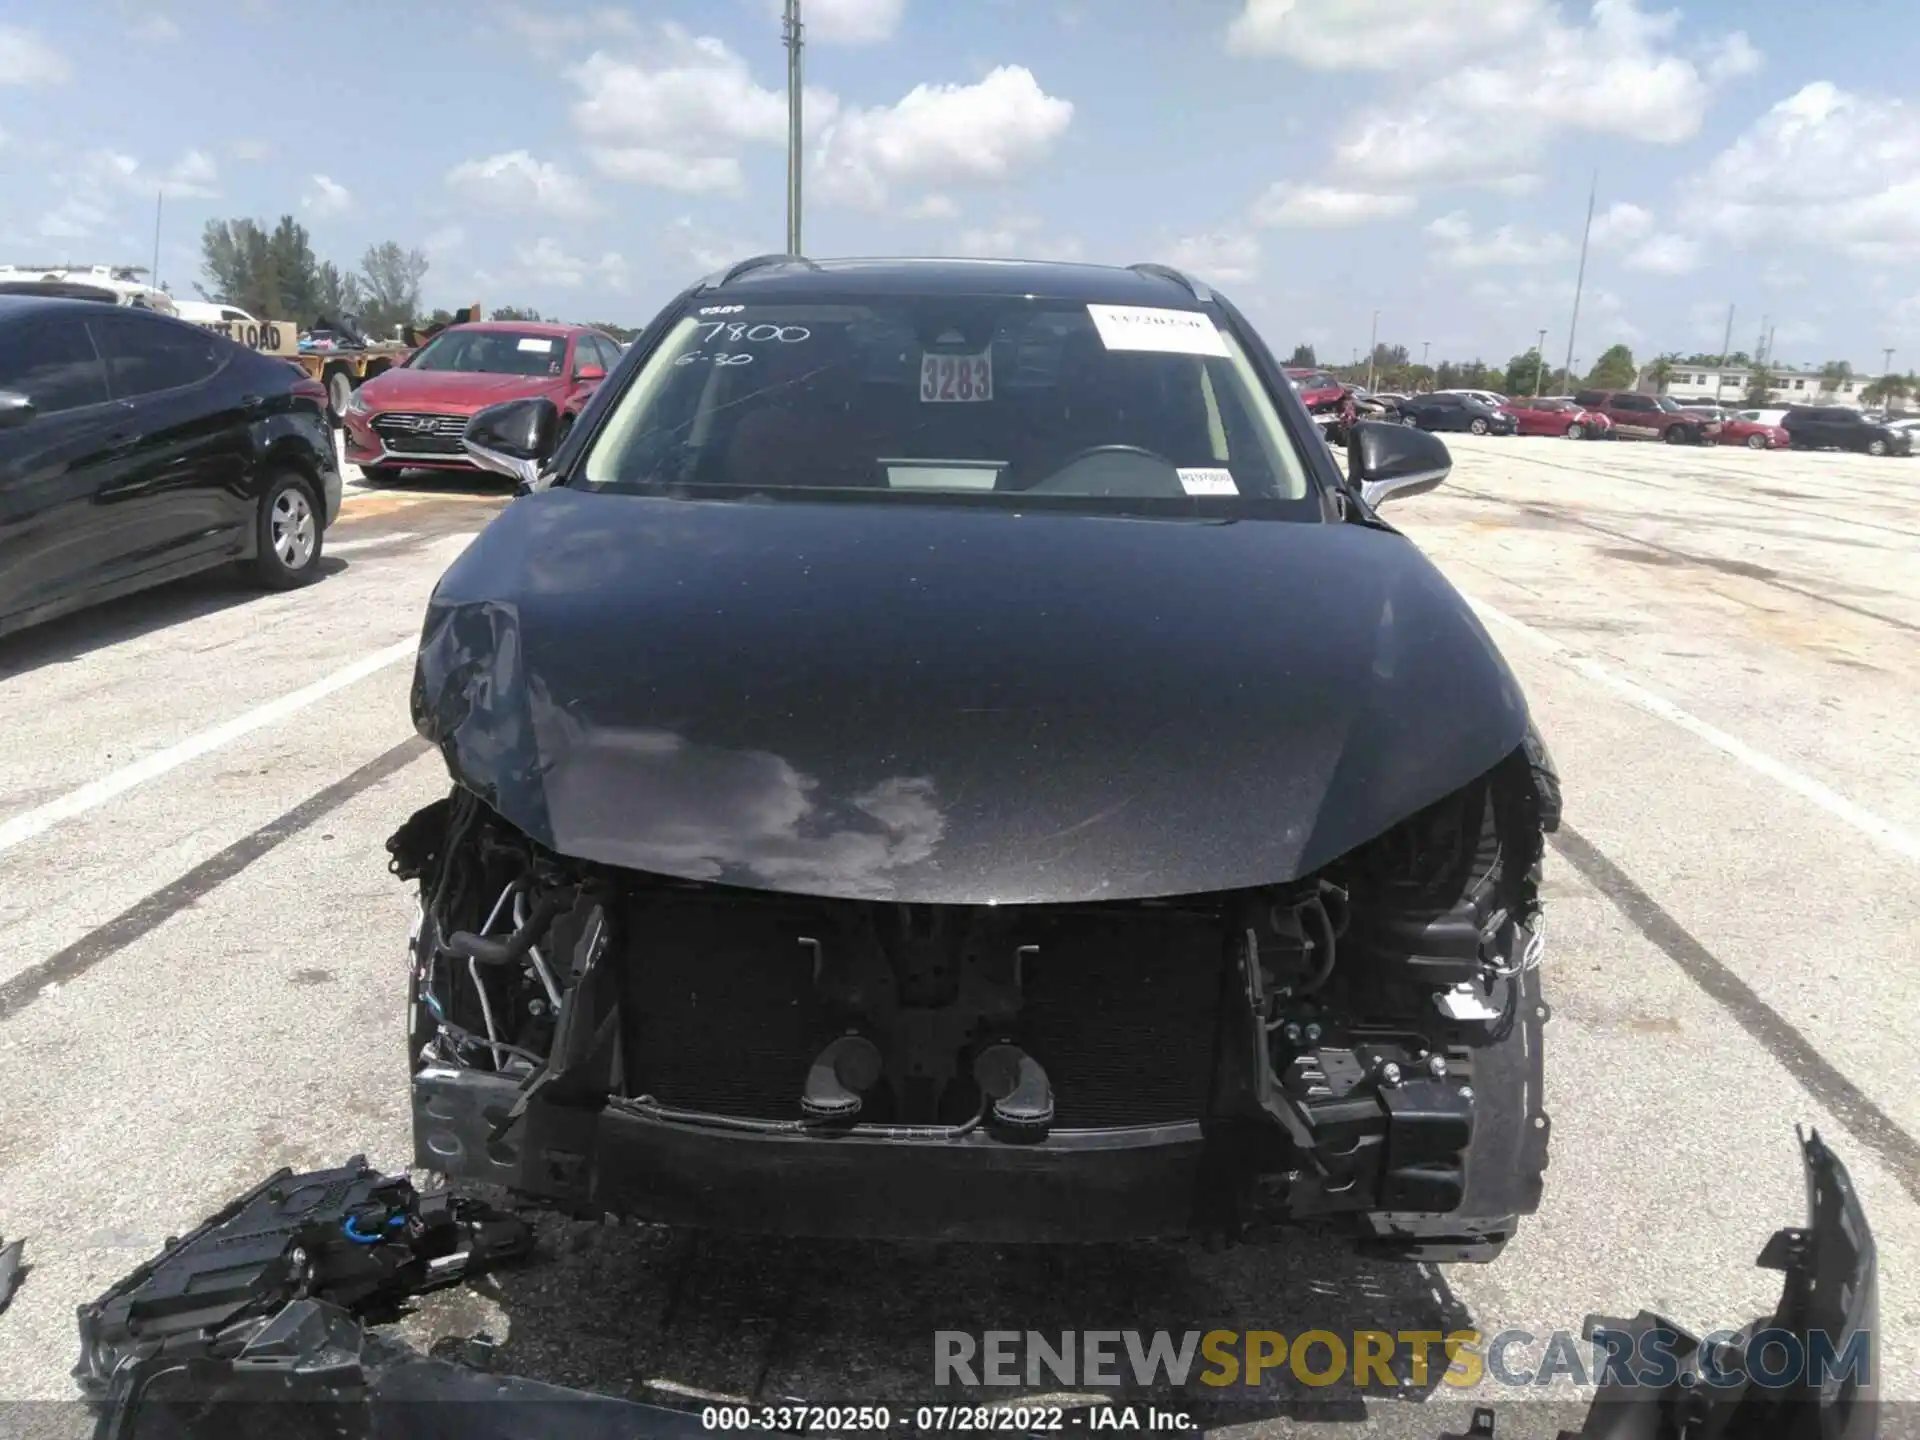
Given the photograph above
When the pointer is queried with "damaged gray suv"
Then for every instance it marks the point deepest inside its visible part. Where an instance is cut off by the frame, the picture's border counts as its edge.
(941, 750)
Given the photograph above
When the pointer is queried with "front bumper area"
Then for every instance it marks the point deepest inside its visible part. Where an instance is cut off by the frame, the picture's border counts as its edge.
(1083, 1185)
(366, 447)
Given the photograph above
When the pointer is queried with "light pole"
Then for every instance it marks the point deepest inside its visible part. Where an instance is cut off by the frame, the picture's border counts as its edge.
(1580, 281)
(1886, 390)
(791, 32)
(1540, 362)
(1720, 375)
(1373, 350)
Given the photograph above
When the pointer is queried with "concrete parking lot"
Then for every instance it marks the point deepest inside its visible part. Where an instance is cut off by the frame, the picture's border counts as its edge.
(203, 978)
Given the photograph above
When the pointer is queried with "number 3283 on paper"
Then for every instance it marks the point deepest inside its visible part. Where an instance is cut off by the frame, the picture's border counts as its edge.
(956, 377)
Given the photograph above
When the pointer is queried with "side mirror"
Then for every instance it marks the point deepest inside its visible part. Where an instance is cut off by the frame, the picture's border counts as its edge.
(15, 409)
(590, 372)
(1386, 460)
(514, 438)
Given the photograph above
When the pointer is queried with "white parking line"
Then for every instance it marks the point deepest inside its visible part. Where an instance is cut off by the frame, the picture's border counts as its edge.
(42, 818)
(1882, 832)
(347, 547)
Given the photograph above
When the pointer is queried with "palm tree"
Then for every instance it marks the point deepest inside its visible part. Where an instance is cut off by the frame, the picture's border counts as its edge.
(1833, 375)
(1886, 390)
(1661, 373)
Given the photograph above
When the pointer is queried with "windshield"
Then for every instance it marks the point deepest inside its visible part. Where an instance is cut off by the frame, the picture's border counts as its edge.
(492, 352)
(1669, 404)
(1316, 381)
(954, 395)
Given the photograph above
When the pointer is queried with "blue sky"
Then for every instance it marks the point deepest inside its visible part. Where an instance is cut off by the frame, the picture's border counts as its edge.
(1318, 159)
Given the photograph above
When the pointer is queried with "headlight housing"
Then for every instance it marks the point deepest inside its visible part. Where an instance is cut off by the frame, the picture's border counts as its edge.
(358, 404)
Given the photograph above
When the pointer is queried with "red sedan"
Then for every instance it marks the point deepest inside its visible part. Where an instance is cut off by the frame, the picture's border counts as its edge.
(413, 415)
(1754, 434)
(1553, 417)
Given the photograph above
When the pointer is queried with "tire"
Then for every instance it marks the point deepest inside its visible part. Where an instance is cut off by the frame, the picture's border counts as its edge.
(380, 474)
(1576, 431)
(288, 533)
(339, 392)
(1756, 442)
(1675, 435)
(1876, 447)
(1477, 426)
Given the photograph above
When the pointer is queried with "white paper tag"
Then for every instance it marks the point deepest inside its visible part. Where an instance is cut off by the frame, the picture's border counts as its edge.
(536, 346)
(1207, 482)
(956, 377)
(1135, 327)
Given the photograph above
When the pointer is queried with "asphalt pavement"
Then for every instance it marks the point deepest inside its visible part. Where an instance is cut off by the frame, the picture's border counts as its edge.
(203, 973)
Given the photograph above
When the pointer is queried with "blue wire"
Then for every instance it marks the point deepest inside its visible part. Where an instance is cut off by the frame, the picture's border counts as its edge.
(351, 1228)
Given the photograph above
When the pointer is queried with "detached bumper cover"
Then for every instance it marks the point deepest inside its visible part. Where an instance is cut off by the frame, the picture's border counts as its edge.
(272, 1303)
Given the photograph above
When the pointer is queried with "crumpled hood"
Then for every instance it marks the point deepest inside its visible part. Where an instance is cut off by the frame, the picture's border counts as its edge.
(450, 389)
(932, 704)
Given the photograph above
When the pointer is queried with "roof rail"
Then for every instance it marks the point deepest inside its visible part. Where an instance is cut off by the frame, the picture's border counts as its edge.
(756, 262)
(1180, 278)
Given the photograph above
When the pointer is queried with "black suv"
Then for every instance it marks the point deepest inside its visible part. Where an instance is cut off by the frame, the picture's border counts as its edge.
(1834, 427)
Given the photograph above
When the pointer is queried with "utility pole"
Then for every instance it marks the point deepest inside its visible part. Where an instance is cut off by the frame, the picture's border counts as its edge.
(1373, 349)
(1886, 390)
(1726, 344)
(1540, 362)
(1580, 281)
(1423, 353)
(153, 275)
(791, 32)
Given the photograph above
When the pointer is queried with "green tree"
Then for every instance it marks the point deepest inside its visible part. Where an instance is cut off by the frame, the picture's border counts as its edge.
(1524, 375)
(1661, 372)
(1759, 383)
(514, 312)
(623, 333)
(1887, 389)
(390, 279)
(1834, 374)
(1302, 358)
(1614, 370)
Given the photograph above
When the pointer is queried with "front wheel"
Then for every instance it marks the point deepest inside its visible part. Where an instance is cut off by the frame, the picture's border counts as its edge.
(1576, 431)
(1479, 426)
(1675, 435)
(1876, 447)
(339, 395)
(288, 534)
(1756, 442)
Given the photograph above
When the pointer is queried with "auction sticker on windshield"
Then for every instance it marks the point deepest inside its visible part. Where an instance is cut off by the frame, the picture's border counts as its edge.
(536, 346)
(1207, 481)
(1137, 327)
(956, 377)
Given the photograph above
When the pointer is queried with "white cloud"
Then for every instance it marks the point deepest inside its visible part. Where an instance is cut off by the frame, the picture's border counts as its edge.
(1462, 248)
(1377, 34)
(249, 149)
(74, 217)
(932, 206)
(940, 135)
(1485, 118)
(1018, 237)
(514, 180)
(1735, 59)
(193, 176)
(1621, 224)
(547, 262)
(327, 197)
(846, 22)
(445, 241)
(156, 29)
(679, 117)
(703, 250)
(26, 59)
(1666, 255)
(1603, 318)
(1824, 166)
(1325, 207)
(1220, 256)
(546, 32)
